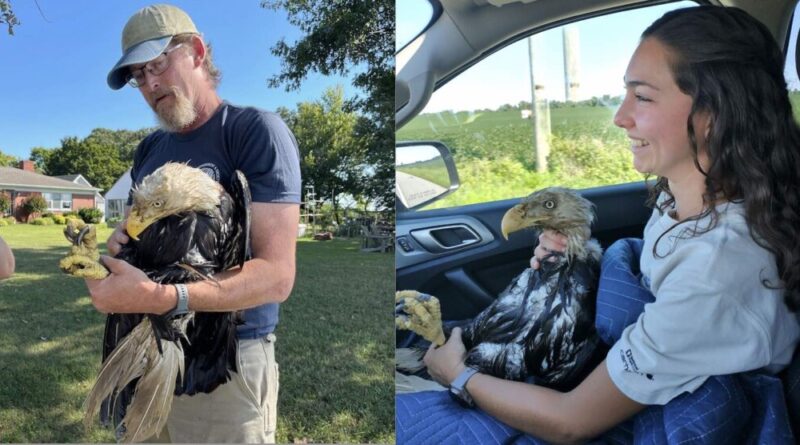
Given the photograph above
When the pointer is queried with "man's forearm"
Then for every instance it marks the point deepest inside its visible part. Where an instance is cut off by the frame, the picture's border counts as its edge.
(267, 278)
(257, 283)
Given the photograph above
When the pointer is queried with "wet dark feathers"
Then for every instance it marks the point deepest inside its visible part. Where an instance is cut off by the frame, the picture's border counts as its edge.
(208, 243)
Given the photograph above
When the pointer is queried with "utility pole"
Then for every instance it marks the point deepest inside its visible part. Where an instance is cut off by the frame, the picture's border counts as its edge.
(540, 111)
(572, 65)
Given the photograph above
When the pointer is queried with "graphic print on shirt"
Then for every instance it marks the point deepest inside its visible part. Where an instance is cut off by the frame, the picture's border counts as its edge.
(211, 170)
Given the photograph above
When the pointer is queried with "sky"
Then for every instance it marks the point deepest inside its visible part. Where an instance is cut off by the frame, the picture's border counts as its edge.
(605, 47)
(53, 69)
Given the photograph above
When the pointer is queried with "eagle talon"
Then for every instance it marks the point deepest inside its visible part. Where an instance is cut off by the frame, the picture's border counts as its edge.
(83, 232)
(419, 313)
(82, 260)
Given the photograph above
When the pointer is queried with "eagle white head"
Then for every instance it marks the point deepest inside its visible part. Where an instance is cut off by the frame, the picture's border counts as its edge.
(172, 189)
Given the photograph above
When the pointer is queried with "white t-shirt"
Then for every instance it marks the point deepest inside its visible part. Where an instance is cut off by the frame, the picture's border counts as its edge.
(711, 315)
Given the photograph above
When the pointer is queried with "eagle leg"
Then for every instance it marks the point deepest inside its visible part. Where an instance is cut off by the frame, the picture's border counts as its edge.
(420, 313)
(82, 260)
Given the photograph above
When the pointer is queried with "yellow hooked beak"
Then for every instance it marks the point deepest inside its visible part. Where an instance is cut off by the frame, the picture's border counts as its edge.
(514, 220)
(137, 223)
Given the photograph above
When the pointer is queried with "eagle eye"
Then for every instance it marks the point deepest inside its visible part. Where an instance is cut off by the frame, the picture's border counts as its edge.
(549, 204)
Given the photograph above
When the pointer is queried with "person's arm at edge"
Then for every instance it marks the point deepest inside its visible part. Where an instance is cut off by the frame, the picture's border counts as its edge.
(7, 263)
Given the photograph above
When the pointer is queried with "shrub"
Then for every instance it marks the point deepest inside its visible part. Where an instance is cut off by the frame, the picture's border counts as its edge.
(3, 223)
(11, 220)
(34, 204)
(5, 203)
(90, 216)
(112, 223)
(42, 222)
(47, 215)
(59, 219)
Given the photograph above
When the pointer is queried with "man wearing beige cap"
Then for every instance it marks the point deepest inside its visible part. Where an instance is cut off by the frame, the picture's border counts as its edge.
(166, 58)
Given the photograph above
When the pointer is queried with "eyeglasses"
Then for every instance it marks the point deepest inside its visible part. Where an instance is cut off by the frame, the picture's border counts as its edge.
(155, 67)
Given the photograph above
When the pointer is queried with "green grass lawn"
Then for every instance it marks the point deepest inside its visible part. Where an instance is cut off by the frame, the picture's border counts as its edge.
(335, 345)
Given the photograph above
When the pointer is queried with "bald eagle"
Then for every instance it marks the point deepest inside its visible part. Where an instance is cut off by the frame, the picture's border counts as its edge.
(542, 324)
(184, 227)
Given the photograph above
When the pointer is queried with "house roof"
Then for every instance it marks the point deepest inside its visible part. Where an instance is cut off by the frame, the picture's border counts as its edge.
(15, 179)
(70, 178)
(77, 179)
(120, 188)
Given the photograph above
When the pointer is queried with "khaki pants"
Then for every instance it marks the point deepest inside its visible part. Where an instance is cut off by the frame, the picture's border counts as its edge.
(243, 410)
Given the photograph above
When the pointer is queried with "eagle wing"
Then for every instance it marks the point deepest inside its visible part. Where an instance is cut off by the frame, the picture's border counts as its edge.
(237, 249)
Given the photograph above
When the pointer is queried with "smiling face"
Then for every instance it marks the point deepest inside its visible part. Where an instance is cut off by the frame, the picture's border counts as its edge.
(655, 113)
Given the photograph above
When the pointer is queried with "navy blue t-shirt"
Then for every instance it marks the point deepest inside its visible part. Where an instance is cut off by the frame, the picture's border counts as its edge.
(254, 141)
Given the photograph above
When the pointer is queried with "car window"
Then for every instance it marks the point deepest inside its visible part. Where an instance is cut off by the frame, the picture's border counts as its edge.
(790, 69)
(411, 17)
(505, 148)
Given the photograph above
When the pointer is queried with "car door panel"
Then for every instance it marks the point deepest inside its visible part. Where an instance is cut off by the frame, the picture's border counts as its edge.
(467, 278)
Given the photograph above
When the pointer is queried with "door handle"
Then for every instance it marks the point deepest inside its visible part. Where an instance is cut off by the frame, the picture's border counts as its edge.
(445, 238)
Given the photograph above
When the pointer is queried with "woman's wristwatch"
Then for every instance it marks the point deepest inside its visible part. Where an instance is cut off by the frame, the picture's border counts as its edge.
(458, 388)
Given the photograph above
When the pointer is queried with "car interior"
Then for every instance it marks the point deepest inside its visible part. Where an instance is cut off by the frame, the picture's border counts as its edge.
(458, 253)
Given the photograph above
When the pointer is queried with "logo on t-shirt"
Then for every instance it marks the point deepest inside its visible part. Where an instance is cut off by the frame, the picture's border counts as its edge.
(630, 364)
(211, 170)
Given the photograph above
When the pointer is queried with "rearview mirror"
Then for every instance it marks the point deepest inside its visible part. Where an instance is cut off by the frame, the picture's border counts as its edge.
(424, 172)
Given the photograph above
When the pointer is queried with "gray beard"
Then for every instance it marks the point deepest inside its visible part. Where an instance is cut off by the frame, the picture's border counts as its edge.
(177, 117)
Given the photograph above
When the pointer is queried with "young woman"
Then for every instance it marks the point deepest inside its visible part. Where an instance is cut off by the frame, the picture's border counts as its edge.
(707, 112)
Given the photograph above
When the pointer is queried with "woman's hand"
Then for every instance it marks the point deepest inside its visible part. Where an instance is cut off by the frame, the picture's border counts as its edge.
(446, 362)
(549, 241)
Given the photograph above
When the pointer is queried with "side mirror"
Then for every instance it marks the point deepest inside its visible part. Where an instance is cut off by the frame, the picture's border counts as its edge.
(424, 172)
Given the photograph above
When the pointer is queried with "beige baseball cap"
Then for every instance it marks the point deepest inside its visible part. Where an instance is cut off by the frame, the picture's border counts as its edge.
(146, 36)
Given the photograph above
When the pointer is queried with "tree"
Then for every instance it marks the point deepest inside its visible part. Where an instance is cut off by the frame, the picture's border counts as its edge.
(8, 160)
(101, 157)
(125, 141)
(340, 36)
(379, 182)
(332, 158)
(40, 157)
(7, 16)
(100, 164)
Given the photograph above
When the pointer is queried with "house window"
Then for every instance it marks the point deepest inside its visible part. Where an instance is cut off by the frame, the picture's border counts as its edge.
(58, 201)
(115, 208)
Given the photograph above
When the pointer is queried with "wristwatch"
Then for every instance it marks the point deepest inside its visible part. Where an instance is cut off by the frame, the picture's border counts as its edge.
(183, 301)
(458, 388)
